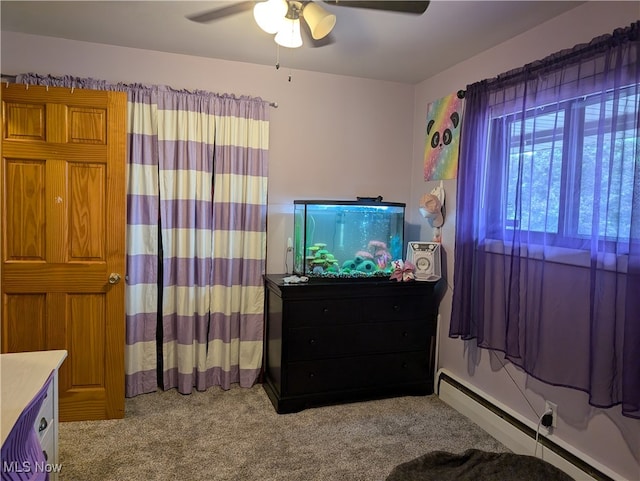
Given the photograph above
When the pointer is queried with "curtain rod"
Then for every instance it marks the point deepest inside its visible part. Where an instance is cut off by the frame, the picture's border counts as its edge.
(619, 36)
(12, 79)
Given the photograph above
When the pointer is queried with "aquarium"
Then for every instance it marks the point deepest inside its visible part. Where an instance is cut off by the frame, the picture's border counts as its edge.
(347, 239)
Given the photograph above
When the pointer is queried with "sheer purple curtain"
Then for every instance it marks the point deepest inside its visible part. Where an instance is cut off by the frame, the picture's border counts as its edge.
(547, 255)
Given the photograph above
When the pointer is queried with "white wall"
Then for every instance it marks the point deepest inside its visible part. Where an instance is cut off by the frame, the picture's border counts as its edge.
(331, 137)
(604, 435)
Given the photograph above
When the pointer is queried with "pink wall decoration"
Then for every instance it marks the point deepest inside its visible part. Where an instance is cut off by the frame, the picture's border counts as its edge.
(442, 139)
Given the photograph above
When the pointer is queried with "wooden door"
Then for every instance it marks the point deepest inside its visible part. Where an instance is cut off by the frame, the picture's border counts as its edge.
(63, 222)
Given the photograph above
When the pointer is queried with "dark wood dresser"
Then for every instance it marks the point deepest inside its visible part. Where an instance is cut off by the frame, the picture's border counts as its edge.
(339, 341)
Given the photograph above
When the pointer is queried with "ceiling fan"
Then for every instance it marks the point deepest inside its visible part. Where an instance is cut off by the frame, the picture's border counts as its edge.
(282, 17)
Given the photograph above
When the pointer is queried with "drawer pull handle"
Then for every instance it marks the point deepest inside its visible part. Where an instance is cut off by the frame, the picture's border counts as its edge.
(43, 425)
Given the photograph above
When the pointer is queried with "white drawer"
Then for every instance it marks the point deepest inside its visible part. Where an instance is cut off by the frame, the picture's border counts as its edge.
(47, 443)
(44, 419)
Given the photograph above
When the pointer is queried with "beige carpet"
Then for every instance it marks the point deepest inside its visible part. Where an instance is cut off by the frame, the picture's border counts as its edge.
(237, 435)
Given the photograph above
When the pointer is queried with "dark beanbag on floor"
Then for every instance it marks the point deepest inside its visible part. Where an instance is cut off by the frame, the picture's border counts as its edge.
(476, 465)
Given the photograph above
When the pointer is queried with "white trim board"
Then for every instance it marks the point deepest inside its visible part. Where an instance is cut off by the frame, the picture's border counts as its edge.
(515, 431)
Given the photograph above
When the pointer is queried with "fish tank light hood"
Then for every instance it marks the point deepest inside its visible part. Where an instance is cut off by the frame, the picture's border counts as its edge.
(347, 239)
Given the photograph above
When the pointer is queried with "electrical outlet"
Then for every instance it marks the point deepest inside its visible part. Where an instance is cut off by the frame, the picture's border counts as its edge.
(553, 407)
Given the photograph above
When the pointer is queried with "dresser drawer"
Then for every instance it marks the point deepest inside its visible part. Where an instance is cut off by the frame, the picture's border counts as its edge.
(306, 343)
(306, 377)
(397, 308)
(323, 311)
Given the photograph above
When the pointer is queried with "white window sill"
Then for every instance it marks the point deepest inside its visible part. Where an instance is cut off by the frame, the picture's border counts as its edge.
(561, 255)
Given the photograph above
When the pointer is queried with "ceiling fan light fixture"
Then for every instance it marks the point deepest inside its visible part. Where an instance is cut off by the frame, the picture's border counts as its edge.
(289, 32)
(269, 15)
(319, 20)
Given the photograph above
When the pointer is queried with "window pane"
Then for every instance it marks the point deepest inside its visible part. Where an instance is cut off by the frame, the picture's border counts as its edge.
(534, 173)
(570, 169)
(606, 182)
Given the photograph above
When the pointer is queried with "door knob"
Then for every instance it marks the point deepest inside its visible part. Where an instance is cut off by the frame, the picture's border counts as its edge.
(114, 278)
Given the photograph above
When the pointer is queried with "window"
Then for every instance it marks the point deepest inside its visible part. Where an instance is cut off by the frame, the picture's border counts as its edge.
(551, 169)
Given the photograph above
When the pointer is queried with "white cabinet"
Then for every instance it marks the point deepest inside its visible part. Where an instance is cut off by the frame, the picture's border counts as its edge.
(24, 375)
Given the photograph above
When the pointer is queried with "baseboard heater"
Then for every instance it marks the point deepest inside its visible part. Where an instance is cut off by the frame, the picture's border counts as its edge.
(511, 430)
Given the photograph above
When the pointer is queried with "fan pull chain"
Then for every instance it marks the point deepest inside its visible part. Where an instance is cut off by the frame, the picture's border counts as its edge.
(278, 62)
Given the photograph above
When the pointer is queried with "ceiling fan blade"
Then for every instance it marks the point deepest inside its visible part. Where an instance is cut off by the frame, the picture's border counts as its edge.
(211, 15)
(410, 6)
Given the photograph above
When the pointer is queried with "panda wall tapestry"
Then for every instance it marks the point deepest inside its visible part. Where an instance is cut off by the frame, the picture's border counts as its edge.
(442, 139)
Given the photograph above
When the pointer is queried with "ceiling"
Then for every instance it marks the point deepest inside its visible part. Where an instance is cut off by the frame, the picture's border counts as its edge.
(365, 43)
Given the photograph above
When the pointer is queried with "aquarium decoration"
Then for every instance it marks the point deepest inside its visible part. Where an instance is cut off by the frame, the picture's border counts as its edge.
(347, 239)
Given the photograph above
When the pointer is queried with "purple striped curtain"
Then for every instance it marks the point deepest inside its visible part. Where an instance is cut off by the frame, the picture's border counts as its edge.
(213, 186)
(239, 221)
(196, 200)
(142, 243)
(212, 178)
(186, 124)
